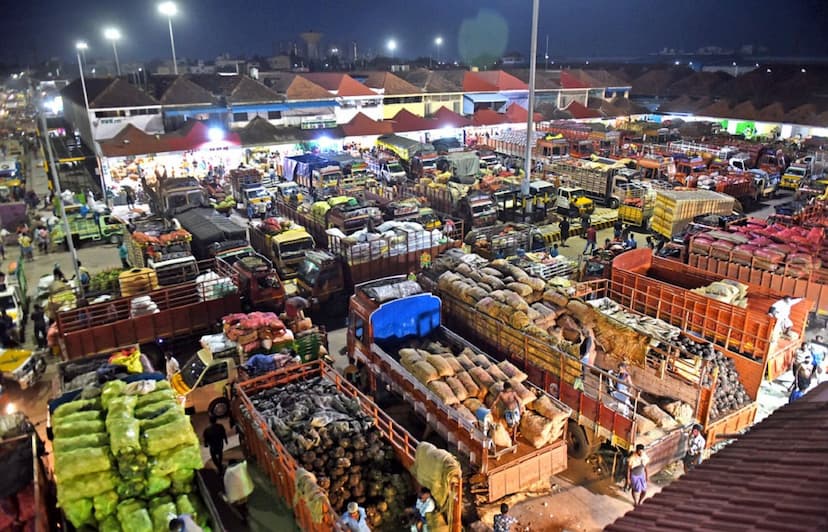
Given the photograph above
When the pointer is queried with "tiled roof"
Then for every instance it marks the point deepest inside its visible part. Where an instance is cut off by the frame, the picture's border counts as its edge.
(295, 87)
(491, 81)
(487, 117)
(745, 110)
(106, 93)
(445, 117)
(775, 477)
(655, 82)
(549, 111)
(620, 106)
(339, 84)
(182, 91)
(578, 111)
(132, 141)
(392, 85)
(517, 114)
(597, 78)
(363, 126)
(544, 79)
(405, 120)
(236, 88)
(435, 81)
(260, 132)
(718, 108)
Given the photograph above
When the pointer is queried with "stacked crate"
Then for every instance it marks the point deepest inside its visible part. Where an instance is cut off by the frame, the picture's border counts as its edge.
(675, 209)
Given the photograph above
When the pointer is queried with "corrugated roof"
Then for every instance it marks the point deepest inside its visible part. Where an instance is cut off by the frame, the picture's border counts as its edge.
(363, 126)
(620, 106)
(432, 81)
(491, 81)
(405, 120)
(718, 108)
(487, 117)
(338, 83)
(132, 141)
(579, 111)
(517, 114)
(107, 93)
(773, 478)
(445, 117)
(260, 132)
(391, 84)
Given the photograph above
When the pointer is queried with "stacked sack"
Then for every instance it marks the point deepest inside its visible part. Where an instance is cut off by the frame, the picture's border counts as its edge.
(250, 330)
(142, 306)
(211, 286)
(468, 381)
(125, 458)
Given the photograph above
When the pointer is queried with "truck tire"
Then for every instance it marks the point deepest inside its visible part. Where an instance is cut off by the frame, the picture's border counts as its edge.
(614, 203)
(577, 443)
(114, 239)
(219, 407)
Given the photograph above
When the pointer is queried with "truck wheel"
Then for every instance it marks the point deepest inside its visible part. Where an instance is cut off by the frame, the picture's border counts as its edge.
(613, 203)
(114, 239)
(219, 407)
(577, 442)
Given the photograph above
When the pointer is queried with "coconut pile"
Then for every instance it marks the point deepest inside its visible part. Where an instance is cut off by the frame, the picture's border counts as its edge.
(467, 381)
(539, 308)
(729, 394)
(329, 435)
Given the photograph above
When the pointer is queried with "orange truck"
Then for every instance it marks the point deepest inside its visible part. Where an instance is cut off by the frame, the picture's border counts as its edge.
(261, 442)
(380, 326)
(663, 288)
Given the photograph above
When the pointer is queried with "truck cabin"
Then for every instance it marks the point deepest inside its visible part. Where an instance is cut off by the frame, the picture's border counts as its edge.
(479, 210)
(260, 282)
(288, 247)
(177, 199)
(201, 383)
(392, 172)
(553, 148)
(326, 180)
(351, 218)
(257, 195)
(174, 270)
(690, 168)
(488, 159)
(447, 145)
(581, 149)
(424, 164)
(794, 176)
(320, 274)
(655, 169)
(289, 192)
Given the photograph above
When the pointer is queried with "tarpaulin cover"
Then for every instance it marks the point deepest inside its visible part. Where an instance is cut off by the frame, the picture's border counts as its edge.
(415, 316)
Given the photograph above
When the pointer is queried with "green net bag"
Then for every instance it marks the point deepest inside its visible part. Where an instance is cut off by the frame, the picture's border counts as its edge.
(79, 512)
(110, 524)
(76, 406)
(78, 417)
(105, 504)
(183, 457)
(110, 391)
(169, 416)
(157, 395)
(134, 517)
(174, 434)
(79, 428)
(62, 445)
(156, 485)
(85, 486)
(162, 514)
(154, 409)
(80, 462)
(124, 436)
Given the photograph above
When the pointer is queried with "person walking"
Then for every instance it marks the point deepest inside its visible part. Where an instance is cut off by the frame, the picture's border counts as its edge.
(84, 277)
(637, 474)
(4, 234)
(43, 239)
(250, 212)
(591, 240)
(130, 197)
(503, 522)
(617, 227)
(123, 254)
(354, 519)
(25, 243)
(563, 225)
(40, 329)
(215, 437)
(695, 447)
(57, 273)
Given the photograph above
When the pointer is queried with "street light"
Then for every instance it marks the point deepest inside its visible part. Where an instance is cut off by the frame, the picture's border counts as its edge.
(530, 120)
(392, 46)
(169, 10)
(438, 42)
(113, 34)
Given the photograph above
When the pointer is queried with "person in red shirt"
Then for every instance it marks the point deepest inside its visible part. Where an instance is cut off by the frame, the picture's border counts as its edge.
(591, 240)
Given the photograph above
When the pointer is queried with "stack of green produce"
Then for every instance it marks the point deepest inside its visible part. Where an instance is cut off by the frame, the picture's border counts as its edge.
(126, 459)
(226, 204)
(105, 280)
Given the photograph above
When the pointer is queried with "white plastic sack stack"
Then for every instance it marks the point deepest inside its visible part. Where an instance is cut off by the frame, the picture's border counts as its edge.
(210, 286)
(217, 343)
(141, 306)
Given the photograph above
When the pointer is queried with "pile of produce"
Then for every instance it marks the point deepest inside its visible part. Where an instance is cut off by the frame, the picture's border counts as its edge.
(105, 280)
(125, 457)
(727, 291)
(228, 203)
(161, 238)
(729, 394)
(539, 308)
(466, 381)
(249, 330)
(329, 435)
(276, 225)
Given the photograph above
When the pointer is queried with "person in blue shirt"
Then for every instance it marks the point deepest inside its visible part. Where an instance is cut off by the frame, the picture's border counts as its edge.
(554, 251)
(354, 519)
(631, 242)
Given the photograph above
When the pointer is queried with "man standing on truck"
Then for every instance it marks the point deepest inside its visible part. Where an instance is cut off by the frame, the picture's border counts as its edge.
(215, 437)
(781, 310)
(695, 447)
(511, 407)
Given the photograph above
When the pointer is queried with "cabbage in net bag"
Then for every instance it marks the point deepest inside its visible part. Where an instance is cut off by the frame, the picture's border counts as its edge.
(80, 462)
(124, 436)
(76, 406)
(85, 486)
(184, 457)
(178, 432)
(162, 514)
(62, 445)
(105, 504)
(79, 512)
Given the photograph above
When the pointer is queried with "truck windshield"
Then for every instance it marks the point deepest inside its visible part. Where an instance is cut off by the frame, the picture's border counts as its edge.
(257, 193)
(288, 249)
(308, 272)
(798, 172)
(395, 168)
(192, 371)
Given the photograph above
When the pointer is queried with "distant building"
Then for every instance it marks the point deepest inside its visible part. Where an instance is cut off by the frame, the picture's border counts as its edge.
(279, 62)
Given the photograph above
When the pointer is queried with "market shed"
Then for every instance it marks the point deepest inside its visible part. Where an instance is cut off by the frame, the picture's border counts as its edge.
(773, 478)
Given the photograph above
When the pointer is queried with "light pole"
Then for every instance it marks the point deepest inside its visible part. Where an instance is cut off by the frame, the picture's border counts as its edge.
(169, 10)
(438, 42)
(113, 34)
(80, 47)
(392, 46)
(530, 121)
(56, 184)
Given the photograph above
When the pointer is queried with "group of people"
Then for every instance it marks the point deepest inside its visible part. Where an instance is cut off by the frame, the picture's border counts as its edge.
(807, 367)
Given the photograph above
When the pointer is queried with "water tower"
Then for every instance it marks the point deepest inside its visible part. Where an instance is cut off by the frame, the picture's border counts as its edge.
(312, 39)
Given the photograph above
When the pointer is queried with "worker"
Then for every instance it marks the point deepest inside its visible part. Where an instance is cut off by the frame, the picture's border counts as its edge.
(563, 225)
(485, 423)
(617, 227)
(591, 240)
(83, 276)
(172, 364)
(781, 311)
(449, 227)
(637, 474)
(554, 252)
(503, 522)
(123, 254)
(631, 243)
(818, 353)
(25, 243)
(425, 505)
(184, 523)
(354, 519)
(215, 437)
(695, 448)
(623, 384)
(650, 243)
(511, 407)
(39, 322)
(4, 234)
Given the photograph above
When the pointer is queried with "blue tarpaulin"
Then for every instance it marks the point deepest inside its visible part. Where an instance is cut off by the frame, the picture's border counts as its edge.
(411, 317)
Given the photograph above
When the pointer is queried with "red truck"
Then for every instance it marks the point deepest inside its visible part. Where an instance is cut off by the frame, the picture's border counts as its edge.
(662, 288)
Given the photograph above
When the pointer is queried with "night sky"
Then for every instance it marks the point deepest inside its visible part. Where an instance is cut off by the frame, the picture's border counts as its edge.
(579, 28)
